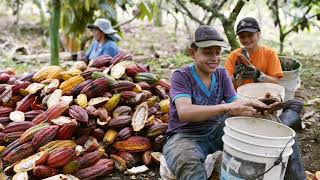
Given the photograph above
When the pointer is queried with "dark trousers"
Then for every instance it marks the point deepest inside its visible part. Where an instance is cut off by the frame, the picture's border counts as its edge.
(295, 170)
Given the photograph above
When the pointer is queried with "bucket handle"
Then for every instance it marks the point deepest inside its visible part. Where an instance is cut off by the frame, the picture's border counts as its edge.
(276, 162)
(281, 100)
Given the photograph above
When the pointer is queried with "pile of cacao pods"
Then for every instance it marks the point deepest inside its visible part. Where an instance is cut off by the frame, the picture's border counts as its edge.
(82, 122)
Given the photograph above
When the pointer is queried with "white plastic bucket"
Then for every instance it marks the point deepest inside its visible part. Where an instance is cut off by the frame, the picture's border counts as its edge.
(290, 81)
(252, 145)
(290, 90)
(259, 91)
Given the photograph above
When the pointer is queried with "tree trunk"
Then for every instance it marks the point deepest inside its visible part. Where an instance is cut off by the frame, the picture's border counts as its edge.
(42, 16)
(187, 28)
(227, 23)
(16, 10)
(281, 33)
(230, 33)
(158, 18)
(54, 32)
(282, 37)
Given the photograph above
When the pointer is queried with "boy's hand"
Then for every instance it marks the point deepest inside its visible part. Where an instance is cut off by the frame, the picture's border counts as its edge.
(245, 107)
(246, 69)
(250, 72)
(238, 70)
(241, 59)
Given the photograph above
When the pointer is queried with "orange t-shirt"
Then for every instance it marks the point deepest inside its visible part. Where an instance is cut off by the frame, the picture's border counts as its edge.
(264, 58)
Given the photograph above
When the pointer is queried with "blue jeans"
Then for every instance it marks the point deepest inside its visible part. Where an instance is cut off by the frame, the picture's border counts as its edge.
(186, 153)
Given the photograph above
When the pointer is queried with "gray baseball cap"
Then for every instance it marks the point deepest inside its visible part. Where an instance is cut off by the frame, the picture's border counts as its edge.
(206, 36)
(104, 25)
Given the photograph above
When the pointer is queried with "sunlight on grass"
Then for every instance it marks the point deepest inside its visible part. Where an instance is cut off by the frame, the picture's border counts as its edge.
(19, 67)
(165, 66)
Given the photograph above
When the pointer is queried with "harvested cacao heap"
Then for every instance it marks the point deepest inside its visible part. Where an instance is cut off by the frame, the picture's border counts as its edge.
(85, 121)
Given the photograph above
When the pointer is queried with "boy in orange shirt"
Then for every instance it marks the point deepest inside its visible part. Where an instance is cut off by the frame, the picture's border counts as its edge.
(257, 63)
(264, 64)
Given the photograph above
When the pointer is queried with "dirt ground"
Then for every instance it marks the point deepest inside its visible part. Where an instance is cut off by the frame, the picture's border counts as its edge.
(147, 41)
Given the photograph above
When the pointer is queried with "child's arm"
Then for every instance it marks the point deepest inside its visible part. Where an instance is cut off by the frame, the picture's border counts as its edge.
(269, 79)
(189, 112)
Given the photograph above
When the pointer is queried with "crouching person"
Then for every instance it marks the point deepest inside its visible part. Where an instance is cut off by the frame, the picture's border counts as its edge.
(201, 97)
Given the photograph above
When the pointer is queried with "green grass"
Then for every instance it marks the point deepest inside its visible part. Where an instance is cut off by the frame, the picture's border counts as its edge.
(310, 69)
(19, 67)
(179, 60)
(163, 66)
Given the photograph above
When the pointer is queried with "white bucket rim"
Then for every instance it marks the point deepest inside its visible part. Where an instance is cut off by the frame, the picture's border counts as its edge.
(256, 144)
(240, 89)
(300, 64)
(265, 156)
(255, 135)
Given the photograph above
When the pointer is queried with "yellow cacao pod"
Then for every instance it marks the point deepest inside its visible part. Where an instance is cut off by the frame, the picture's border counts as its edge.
(70, 83)
(165, 105)
(112, 102)
(110, 136)
(82, 100)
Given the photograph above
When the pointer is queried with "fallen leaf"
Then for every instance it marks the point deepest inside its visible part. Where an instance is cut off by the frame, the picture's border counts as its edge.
(308, 113)
(312, 119)
(317, 116)
(307, 124)
(303, 125)
(315, 101)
